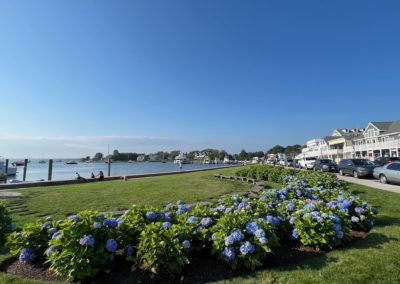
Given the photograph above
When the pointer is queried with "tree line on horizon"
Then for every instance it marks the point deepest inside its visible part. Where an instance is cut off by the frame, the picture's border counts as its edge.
(290, 150)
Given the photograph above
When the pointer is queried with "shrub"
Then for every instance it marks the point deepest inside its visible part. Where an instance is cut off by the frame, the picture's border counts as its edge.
(242, 241)
(162, 250)
(31, 243)
(84, 245)
(5, 222)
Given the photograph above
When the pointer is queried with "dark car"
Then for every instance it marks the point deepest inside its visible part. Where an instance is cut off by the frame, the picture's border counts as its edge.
(385, 160)
(325, 165)
(356, 167)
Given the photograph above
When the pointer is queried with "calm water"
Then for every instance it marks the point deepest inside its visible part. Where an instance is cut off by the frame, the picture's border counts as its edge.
(37, 171)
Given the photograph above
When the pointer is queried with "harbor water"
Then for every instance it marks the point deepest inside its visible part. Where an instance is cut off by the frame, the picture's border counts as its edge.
(61, 171)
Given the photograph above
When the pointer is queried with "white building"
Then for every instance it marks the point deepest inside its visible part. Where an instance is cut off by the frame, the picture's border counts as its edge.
(380, 139)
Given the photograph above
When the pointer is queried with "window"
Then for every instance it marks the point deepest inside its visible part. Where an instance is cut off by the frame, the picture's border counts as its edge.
(394, 167)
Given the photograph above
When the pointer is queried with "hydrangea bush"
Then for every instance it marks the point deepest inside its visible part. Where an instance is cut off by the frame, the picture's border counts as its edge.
(240, 240)
(311, 209)
(83, 245)
(5, 222)
(31, 242)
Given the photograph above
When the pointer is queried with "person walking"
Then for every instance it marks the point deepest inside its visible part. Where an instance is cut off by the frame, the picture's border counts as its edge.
(101, 176)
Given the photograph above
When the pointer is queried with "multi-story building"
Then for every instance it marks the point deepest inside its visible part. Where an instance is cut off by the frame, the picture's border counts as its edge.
(378, 139)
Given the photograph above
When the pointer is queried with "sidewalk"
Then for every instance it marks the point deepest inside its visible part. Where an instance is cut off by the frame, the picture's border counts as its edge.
(371, 183)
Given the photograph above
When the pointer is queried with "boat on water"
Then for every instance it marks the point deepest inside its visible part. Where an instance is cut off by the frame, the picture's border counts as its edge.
(18, 163)
(11, 171)
(181, 159)
(42, 162)
(71, 162)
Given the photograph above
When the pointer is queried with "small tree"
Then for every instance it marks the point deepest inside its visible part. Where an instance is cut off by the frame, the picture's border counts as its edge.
(98, 156)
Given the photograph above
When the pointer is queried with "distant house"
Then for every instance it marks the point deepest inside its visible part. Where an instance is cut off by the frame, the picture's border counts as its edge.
(141, 158)
(181, 158)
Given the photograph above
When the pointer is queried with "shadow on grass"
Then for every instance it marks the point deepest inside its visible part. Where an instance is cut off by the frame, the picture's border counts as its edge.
(384, 221)
(373, 240)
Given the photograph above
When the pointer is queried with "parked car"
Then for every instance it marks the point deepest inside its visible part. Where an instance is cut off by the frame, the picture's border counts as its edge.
(271, 162)
(307, 163)
(325, 165)
(385, 160)
(389, 173)
(356, 167)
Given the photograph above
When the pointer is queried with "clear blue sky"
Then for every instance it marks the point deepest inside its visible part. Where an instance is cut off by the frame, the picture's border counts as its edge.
(149, 75)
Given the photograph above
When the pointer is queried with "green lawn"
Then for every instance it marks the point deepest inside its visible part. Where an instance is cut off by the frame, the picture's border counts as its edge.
(375, 259)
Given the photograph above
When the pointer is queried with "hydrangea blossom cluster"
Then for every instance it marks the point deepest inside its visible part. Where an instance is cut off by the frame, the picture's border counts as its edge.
(111, 245)
(27, 255)
(87, 240)
(110, 222)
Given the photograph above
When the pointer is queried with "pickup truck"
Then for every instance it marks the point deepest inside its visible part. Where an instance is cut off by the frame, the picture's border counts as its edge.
(307, 163)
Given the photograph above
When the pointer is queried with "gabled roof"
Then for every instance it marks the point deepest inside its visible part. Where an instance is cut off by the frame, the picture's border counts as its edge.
(387, 127)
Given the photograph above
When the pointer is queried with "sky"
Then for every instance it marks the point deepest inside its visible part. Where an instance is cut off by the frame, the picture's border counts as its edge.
(77, 77)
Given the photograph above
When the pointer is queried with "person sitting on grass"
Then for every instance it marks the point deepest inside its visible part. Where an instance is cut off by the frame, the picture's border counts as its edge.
(101, 175)
(78, 176)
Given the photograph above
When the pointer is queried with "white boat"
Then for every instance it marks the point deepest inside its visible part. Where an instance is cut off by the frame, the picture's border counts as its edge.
(180, 159)
(11, 171)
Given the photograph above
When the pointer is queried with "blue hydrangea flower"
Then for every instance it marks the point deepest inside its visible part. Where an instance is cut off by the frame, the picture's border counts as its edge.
(355, 219)
(199, 228)
(161, 215)
(168, 216)
(180, 211)
(228, 210)
(50, 250)
(340, 198)
(359, 210)
(75, 218)
(128, 250)
(151, 215)
(324, 215)
(295, 234)
(339, 234)
(57, 235)
(186, 244)
(259, 233)
(166, 225)
(319, 219)
(247, 248)
(337, 227)
(263, 240)
(192, 220)
(46, 224)
(206, 222)
(229, 254)
(168, 206)
(180, 202)
(252, 227)
(335, 218)
(237, 235)
(290, 207)
(315, 214)
(111, 245)
(110, 222)
(292, 220)
(229, 240)
(214, 237)
(310, 206)
(375, 211)
(97, 225)
(27, 255)
(51, 231)
(87, 240)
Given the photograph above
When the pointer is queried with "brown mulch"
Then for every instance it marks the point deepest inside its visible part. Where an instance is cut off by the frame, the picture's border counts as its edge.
(202, 268)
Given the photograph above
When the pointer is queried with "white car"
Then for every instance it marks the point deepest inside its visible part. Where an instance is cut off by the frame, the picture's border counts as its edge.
(307, 163)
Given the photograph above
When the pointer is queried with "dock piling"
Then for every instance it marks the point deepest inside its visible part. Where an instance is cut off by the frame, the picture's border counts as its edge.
(25, 168)
(109, 167)
(50, 169)
(6, 169)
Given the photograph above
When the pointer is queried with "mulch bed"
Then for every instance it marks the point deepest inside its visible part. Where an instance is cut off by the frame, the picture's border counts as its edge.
(202, 268)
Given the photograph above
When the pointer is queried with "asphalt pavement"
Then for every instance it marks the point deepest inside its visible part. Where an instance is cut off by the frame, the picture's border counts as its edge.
(371, 183)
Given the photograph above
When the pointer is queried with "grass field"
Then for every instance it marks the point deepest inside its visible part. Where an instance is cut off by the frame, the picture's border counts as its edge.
(375, 259)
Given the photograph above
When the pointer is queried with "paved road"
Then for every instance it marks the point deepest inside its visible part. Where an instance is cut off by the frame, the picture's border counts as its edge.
(371, 183)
